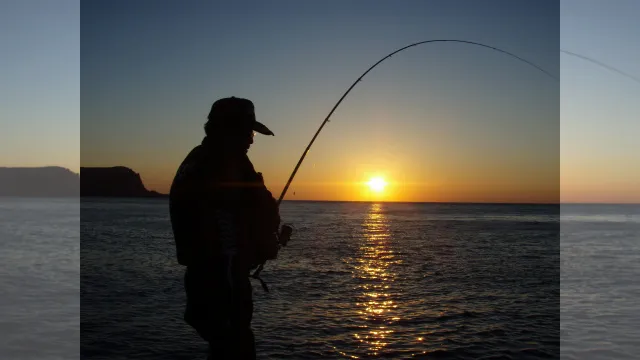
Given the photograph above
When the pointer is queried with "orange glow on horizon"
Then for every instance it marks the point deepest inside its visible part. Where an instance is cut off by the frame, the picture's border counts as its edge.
(401, 181)
(397, 191)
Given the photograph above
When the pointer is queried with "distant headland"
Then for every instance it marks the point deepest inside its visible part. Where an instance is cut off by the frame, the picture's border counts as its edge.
(49, 181)
(56, 181)
(117, 181)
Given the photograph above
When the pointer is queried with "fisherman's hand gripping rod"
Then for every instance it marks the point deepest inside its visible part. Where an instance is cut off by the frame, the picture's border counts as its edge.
(326, 120)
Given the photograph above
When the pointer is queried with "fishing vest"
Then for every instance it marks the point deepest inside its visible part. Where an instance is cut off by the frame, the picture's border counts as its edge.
(221, 206)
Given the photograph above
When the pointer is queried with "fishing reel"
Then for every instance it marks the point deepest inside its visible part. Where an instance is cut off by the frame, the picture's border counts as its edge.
(283, 239)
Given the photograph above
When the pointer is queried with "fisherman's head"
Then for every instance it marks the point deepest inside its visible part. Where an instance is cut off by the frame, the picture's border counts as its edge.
(232, 123)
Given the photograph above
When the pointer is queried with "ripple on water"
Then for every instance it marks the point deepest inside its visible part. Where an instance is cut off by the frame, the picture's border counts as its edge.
(357, 281)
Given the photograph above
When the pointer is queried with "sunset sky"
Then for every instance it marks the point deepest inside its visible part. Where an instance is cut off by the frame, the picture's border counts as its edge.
(600, 110)
(445, 122)
(441, 122)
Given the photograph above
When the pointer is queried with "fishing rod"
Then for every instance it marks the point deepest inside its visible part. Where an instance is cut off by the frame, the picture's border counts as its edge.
(287, 230)
(326, 120)
(609, 67)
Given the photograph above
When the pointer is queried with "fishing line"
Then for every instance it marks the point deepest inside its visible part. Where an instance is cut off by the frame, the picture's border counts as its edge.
(608, 67)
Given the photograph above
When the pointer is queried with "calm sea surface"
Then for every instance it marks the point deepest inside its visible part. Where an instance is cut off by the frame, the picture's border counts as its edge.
(39, 279)
(600, 282)
(358, 280)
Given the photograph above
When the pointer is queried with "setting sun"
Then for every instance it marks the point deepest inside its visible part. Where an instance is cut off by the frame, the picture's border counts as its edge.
(377, 184)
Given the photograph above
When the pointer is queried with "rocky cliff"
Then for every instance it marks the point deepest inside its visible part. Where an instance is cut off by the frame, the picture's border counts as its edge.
(118, 181)
(51, 181)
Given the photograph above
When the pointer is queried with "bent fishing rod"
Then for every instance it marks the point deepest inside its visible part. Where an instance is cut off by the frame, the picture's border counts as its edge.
(326, 120)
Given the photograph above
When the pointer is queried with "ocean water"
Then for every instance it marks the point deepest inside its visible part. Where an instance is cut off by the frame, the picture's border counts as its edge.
(357, 281)
(39, 279)
(600, 282)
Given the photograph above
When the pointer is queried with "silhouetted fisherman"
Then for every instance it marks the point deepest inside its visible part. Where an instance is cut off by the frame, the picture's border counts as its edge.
(225, 223)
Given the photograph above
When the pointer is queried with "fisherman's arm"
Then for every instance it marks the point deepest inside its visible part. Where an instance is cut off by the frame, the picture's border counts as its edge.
(215, 215)
(220, 219)
(268, 204)
(267, 221)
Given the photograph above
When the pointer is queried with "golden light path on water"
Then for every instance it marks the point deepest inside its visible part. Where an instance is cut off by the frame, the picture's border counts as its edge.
(375, 305)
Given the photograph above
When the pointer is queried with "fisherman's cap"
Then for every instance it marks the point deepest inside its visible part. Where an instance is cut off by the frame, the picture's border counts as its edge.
(235, 111)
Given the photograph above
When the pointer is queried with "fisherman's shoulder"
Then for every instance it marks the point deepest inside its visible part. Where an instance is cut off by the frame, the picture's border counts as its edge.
(199, 164)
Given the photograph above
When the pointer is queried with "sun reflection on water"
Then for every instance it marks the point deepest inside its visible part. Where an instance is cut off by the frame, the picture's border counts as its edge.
(375, 304)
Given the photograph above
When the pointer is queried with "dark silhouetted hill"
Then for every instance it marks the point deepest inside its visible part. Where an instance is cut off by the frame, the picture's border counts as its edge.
(118, 181)
(50, 181)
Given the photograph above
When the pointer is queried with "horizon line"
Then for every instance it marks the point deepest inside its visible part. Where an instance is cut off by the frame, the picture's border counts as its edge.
(359, 201)
(400, 202)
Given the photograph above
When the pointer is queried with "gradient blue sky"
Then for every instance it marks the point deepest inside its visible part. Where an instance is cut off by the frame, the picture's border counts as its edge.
(40, 83)
(441, 122)
(600, 111)
(427, 117)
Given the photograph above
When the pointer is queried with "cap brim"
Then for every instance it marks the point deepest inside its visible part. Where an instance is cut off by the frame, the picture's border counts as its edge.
(259, 127)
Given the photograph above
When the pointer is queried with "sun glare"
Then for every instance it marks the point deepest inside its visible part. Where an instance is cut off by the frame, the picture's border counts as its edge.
(377, 184)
